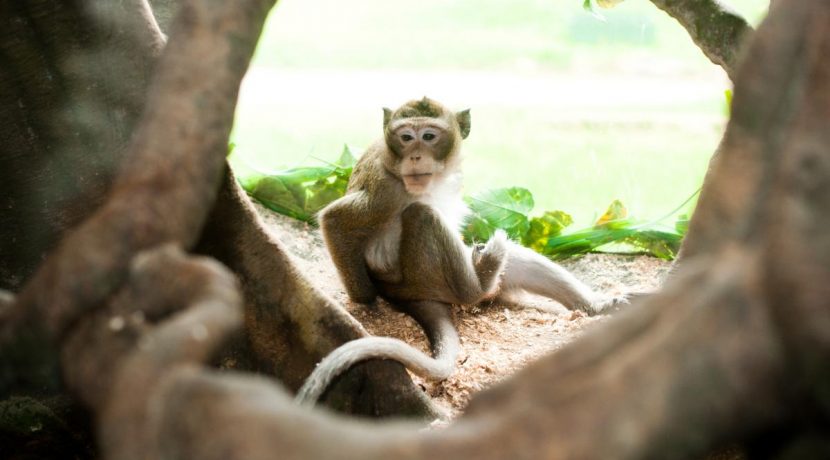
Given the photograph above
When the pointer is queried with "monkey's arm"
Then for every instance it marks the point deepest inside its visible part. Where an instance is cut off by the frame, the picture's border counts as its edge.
(346, 225)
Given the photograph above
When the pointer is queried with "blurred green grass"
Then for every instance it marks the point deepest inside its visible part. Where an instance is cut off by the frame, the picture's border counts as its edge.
(324, 68)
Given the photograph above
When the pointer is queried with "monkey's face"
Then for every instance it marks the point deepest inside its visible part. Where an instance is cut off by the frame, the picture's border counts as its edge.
(422, 148)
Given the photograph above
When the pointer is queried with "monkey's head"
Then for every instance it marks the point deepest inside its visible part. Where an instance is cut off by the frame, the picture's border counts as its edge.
(423, 138)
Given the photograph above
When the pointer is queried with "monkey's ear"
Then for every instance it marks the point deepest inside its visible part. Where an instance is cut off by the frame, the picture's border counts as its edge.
(463, 118)
(387, 116)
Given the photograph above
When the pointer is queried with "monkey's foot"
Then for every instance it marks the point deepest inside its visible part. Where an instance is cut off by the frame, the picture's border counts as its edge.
(489, 261)
(606, 304)
(494, 251)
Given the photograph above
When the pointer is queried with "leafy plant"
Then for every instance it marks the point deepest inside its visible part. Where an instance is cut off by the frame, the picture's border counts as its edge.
(508, 209)
(301, 192)
(502, 208)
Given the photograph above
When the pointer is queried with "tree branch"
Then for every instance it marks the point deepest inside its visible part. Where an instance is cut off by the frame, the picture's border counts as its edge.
(716, 30)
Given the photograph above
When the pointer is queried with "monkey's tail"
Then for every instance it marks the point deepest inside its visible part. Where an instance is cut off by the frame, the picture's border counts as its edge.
(435, 319)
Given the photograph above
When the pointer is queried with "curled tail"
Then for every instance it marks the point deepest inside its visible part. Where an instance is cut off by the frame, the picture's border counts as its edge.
(434, 317)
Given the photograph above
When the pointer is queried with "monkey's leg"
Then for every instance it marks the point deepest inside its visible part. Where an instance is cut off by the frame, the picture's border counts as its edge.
(436, 265)
(434, 317)
(530, 271)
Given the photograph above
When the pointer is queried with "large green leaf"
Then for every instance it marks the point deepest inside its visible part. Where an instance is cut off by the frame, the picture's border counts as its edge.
(273, 193)
(502, 208)
(301, 192)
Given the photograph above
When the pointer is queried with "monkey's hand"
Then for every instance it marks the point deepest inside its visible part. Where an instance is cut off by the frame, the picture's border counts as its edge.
(361, 293)
(351, 266)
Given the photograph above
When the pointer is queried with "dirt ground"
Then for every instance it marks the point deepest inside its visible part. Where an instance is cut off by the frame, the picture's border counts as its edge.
(496, 340)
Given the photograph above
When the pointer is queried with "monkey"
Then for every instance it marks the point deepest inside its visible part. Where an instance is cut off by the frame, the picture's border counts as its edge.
(396, 234)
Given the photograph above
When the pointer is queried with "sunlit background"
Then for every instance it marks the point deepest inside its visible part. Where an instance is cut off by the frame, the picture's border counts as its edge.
(578, 108)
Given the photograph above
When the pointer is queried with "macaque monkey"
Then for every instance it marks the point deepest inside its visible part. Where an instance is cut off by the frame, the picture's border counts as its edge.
(396, 234)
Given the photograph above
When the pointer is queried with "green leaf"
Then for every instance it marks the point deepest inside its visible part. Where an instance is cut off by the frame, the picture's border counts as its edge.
(657, 243)
(476, 229)
(248, 182)
(542, 228)
(273, 193)
(272, 188)
(323, 192)
(503, 208)
(583, 241)
(301, 192)
(614, 217)
(298, 176)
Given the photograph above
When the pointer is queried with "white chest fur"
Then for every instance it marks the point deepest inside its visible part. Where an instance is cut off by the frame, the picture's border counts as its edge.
(382, 253)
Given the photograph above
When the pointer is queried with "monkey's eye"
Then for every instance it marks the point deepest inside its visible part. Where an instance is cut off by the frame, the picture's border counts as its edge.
(406, 137)
(428, 136)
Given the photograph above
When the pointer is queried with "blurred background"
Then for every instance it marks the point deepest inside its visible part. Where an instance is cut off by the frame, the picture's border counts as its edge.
(580, 108)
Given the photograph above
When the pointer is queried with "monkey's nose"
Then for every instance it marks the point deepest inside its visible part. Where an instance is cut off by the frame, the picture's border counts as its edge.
(415, 157)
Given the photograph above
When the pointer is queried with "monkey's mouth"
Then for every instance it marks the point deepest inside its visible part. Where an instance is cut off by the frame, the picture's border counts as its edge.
(416, 182)
(416, 176)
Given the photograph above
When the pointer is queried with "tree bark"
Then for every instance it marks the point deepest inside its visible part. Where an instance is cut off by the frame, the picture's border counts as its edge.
(60, 115)
(740, 356)
(76, 77)
(717, 30)
(165, 11)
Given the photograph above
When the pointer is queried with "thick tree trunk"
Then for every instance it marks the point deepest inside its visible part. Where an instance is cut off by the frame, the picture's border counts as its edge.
(72, 84)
